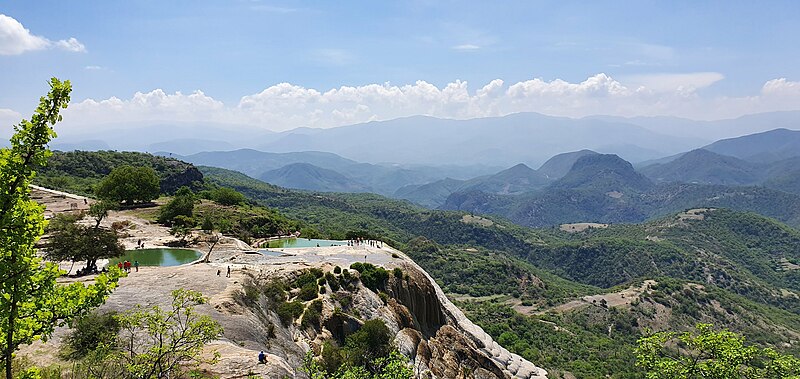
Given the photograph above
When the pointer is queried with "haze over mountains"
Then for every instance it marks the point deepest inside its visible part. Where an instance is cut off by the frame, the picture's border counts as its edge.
(487, 165)
(528, 138)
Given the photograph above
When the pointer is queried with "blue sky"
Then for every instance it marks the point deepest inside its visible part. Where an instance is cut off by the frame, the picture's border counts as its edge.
(684, 58)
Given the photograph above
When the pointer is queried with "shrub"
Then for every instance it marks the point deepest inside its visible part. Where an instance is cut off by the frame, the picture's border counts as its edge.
(398, 273)
(373, 277)
(337, 270)
(312, 315)
(289, 311)
(309, 291)
(88, 332)
(227, 196)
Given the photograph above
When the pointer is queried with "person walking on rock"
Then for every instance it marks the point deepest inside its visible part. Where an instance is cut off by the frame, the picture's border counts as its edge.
(136, 265)
(228, 275)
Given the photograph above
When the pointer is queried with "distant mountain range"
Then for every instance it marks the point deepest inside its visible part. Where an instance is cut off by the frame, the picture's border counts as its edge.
(319, 169)
(527, 138)
(605, 188)
(310, 177)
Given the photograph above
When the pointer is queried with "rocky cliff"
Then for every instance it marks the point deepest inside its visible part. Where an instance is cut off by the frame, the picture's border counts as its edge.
(436, 336)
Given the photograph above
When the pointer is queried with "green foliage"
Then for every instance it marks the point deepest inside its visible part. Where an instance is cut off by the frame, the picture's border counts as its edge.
(70, 241)
(32, 304)
(371, 341)
(710, 354)
(227, 196)
(99, 210)
(157, 343)
(129, 184)
(207, 225)
(367, 354)
(89, 332)
(289, 311)
(312, 314)
(81, 171)
(373, 277)
(182, 204)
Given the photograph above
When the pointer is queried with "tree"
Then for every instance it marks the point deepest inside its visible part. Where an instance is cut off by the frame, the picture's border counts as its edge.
(182, 204)
(392, 366)
(182, 228)
(710, 354)
(99, 210)
(75, 242)
(157, 343)
(227, 196)
(129, 184)
(32, 304)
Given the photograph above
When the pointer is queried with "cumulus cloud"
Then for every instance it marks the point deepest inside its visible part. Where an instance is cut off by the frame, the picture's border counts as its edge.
(284, 106)
(16, 40)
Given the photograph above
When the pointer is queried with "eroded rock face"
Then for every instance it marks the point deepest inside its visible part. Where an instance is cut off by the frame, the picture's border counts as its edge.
(448, 344)
(432, 332)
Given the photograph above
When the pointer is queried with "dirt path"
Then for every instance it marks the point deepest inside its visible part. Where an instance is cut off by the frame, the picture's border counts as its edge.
(613, 299)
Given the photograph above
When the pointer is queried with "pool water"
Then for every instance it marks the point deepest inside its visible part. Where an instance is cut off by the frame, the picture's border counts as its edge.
(303, 242)
(159, 257)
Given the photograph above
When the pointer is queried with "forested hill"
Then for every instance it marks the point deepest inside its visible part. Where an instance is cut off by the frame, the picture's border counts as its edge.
(730, 268)
(733, 269)
(80, 171)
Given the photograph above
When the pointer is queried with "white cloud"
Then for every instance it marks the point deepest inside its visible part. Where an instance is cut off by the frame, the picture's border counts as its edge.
(284, 106)
(72, 45)
(94, 68)
(466, 47)
(781, 87)
(16, 40)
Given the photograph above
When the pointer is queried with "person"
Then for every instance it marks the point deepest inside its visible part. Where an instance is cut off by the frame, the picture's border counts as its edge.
(127, 266)
(136, 265)
(119, 265)
(228, 275)
(262, 358)
(218, 272)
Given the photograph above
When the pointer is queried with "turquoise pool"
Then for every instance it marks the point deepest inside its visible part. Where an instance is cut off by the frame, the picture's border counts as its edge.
(159, 257)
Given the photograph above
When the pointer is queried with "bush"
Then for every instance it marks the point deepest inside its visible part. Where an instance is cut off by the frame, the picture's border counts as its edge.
(275, 291)
(88, 332)
(337, 270)
(312, 315)
(180, 205)
(332, 281)
(398, 273)
(371, 341)
(288, 312)
(227, 196)
(309, 291)
(373, 277)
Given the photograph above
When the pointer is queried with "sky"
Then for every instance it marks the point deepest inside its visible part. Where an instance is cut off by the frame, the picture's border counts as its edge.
(277, 65)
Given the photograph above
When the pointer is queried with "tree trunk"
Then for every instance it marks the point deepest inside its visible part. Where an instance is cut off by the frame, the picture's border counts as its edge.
(12, 315)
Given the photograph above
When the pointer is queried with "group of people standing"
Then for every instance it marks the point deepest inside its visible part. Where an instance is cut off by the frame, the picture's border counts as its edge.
(126, 265)
(362, 242)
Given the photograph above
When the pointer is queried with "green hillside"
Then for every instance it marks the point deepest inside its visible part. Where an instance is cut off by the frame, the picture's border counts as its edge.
(733, 269)
(79, 171)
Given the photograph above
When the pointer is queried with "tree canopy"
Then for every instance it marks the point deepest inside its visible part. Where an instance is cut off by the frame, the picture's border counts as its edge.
(75, 242)
(32, 304)
(129, 184)
(711, 354)
(182, 204)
